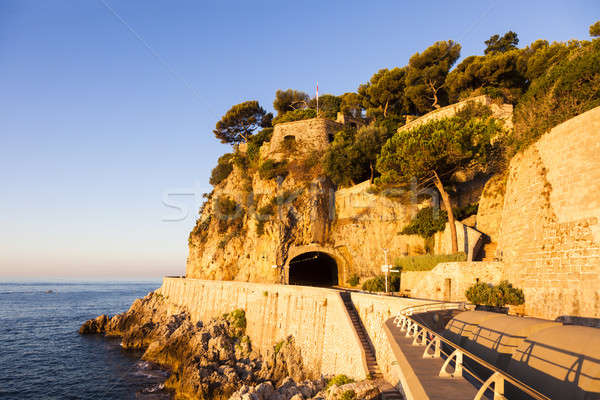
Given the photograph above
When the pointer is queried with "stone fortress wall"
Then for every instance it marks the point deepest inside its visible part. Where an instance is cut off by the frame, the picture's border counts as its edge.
(502, 112)
(308, 135)
(545, 218)
(549, 237)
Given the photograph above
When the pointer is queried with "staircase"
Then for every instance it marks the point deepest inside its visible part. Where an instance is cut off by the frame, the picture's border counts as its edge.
(489, 251)
(388, 391)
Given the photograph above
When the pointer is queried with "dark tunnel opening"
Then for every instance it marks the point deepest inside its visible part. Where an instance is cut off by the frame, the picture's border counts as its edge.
(313, 269)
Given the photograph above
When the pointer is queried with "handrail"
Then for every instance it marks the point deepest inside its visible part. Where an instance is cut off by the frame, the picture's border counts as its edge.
(407, 312)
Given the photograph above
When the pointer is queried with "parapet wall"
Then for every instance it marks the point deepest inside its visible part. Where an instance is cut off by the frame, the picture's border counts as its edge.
(549, 237)
(502, 112)
(315, 317)
(308, 134)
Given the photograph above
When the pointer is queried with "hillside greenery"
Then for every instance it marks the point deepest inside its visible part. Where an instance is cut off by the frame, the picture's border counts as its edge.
(546, 82)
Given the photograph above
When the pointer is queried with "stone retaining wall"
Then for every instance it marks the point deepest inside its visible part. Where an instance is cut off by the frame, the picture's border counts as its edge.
(316, 318)
(549, 238)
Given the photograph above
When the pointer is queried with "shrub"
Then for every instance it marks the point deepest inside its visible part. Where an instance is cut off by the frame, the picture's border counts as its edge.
(426, 262)
(295, 115)
(348, 395)
(426, 222)
(237, 322)
(222, 170)
(240, 160)
(377, 284)
(353, 280)
(254, 143)
(227, 211)
(567, 89)
(278, 346)
(466, 211)
(496, 296)
(270, 169)
(339, 380)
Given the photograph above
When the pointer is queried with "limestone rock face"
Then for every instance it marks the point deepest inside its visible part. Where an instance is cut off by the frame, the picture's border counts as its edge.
(274, 219)
(252, 222)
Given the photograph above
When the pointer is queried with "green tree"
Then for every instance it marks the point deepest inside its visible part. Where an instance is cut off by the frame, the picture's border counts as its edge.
(222, 170)
(351, 105)
(238, 124)
(495, 70)
(295, 115)
(540, 56)
(329, 105)
(289, 100)
(595, 29)
(341, 161)
(427, 73)
(352, 156)
(384, 93)
(368, 143)
(497, 44)
(431, 152)
(568, 88)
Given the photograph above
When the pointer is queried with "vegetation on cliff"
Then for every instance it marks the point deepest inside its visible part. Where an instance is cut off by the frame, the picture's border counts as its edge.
(546, 83)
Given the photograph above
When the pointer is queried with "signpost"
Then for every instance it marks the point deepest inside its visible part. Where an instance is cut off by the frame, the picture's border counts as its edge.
(387, 269)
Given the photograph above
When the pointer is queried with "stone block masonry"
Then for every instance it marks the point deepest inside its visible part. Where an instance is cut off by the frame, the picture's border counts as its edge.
(502, 112)
(307, 135)
(315, 317)
(549, 237)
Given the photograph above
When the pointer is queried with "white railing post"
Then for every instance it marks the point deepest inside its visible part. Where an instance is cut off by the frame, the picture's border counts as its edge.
(437, 349)
(457, 355)
(422, 335)
(498, 380)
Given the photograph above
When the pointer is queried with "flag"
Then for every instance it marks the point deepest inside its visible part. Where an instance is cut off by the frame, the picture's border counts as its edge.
(317, 98)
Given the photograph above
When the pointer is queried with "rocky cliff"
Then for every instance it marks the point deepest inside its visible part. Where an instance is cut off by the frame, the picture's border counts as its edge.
(259, 222)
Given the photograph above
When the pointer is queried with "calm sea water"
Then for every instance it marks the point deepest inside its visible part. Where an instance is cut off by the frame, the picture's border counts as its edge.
(43, 357)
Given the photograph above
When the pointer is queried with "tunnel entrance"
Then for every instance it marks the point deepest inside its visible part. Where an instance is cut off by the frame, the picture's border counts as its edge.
(313, 269)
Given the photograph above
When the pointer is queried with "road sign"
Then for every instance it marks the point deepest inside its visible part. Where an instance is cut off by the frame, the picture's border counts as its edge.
(386, 268)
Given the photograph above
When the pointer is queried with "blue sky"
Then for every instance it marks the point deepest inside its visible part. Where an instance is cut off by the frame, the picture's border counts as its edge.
(106, 106)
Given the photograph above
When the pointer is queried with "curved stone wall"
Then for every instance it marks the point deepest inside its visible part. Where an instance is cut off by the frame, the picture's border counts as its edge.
(549, 237)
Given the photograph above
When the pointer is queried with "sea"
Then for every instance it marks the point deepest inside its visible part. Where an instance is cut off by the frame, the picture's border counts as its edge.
(43, 357)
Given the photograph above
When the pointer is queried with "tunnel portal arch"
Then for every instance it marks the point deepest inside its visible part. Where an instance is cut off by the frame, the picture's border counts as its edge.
(313, 268)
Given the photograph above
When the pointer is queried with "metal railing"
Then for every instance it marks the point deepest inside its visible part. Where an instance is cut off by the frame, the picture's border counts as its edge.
(424, 336)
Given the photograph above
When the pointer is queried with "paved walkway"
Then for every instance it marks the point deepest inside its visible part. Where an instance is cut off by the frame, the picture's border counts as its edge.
(427, 370)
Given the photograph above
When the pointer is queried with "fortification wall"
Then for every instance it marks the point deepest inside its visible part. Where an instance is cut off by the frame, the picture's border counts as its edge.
(309, 134)
(315, 317)
(549, 237)
(502, 112)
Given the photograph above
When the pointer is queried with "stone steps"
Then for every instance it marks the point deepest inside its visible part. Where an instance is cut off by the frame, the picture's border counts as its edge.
(489, 251)
(388, 392)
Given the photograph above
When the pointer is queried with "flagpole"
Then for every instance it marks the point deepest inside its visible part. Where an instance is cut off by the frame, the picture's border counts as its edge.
(317, 99)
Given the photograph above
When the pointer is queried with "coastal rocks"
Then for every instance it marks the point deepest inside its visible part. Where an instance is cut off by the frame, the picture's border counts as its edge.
(97, 325)
(287, 390)
(206, 360)
(285, 361)
(366, 390)
(307, 390)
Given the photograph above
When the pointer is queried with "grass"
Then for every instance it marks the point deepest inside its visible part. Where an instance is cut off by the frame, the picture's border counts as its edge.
(426, 262)
(339, 380)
